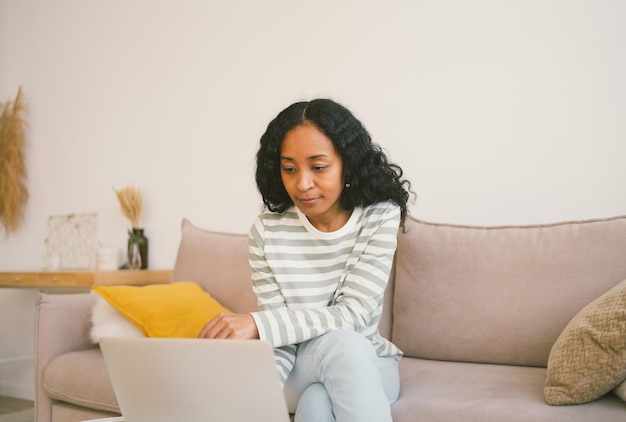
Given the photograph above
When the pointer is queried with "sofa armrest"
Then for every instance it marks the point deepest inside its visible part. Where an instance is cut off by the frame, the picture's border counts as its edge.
(62, 324)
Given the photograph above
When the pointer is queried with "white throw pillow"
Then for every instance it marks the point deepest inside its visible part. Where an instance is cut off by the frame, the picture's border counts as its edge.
(106, 321)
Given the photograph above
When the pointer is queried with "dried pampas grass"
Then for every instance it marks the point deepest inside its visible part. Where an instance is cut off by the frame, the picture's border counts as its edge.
(131, 204)
(13, 175)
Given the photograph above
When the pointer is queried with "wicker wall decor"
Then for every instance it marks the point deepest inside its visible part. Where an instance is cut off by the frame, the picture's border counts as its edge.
(72, 237)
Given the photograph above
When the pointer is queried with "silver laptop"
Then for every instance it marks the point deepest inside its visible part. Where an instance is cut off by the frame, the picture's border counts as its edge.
(192, 380)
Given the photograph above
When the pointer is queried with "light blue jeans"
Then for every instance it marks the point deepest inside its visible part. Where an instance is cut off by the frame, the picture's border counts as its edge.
(338, 377)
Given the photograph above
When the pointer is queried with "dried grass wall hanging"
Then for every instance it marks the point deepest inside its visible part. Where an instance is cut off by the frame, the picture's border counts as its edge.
(13, 175)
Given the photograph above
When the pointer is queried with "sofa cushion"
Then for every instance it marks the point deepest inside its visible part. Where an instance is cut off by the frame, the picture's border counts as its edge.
(178, 309)
(620, 390)
(500, 294)
(218, 262)
(80, 378)
(441, 391)
(589, 357)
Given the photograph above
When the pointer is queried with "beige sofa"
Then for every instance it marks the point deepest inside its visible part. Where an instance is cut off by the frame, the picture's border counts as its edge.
(476, 311)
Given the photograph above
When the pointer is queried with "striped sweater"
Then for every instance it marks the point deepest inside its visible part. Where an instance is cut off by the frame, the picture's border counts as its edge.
(310, 282)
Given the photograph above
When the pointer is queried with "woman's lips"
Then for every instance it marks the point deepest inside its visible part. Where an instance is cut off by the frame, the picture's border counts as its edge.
(307, 201)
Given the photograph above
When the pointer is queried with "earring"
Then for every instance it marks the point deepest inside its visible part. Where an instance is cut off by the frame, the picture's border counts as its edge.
(347, 185)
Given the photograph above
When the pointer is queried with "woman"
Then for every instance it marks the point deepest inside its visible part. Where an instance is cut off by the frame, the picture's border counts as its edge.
(321, 255)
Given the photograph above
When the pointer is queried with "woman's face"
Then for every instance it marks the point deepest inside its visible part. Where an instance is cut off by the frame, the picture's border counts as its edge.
(312, 173)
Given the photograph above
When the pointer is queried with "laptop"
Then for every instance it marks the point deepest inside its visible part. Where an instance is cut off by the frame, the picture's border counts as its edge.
(194, 380)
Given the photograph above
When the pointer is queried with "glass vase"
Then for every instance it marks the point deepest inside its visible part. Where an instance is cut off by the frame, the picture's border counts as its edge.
(137, 237)
(134, 257)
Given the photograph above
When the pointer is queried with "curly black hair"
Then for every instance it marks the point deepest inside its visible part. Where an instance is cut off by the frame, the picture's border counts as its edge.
(371, 177)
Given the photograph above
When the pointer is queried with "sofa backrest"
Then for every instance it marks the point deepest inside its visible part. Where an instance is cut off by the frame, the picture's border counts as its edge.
(499, 294)
(219, 263)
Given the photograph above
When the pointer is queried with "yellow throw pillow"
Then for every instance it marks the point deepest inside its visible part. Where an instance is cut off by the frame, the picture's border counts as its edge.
(589, 358)
(178, 309)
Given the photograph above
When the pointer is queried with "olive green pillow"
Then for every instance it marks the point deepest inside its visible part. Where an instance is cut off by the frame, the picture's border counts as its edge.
(589, 358)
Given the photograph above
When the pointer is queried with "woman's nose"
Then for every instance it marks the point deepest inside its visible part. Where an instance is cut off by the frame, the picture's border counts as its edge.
(305, 181)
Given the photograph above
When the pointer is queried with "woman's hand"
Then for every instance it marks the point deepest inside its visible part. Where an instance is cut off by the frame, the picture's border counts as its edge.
(230, 325)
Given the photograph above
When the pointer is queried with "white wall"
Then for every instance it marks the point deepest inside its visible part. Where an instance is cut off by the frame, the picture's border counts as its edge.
(500, 112)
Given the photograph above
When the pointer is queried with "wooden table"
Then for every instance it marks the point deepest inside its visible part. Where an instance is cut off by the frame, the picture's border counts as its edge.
(78, 278)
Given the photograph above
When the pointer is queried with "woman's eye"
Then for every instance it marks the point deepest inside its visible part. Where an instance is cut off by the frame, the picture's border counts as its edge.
(289, 169)
(319, 168)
